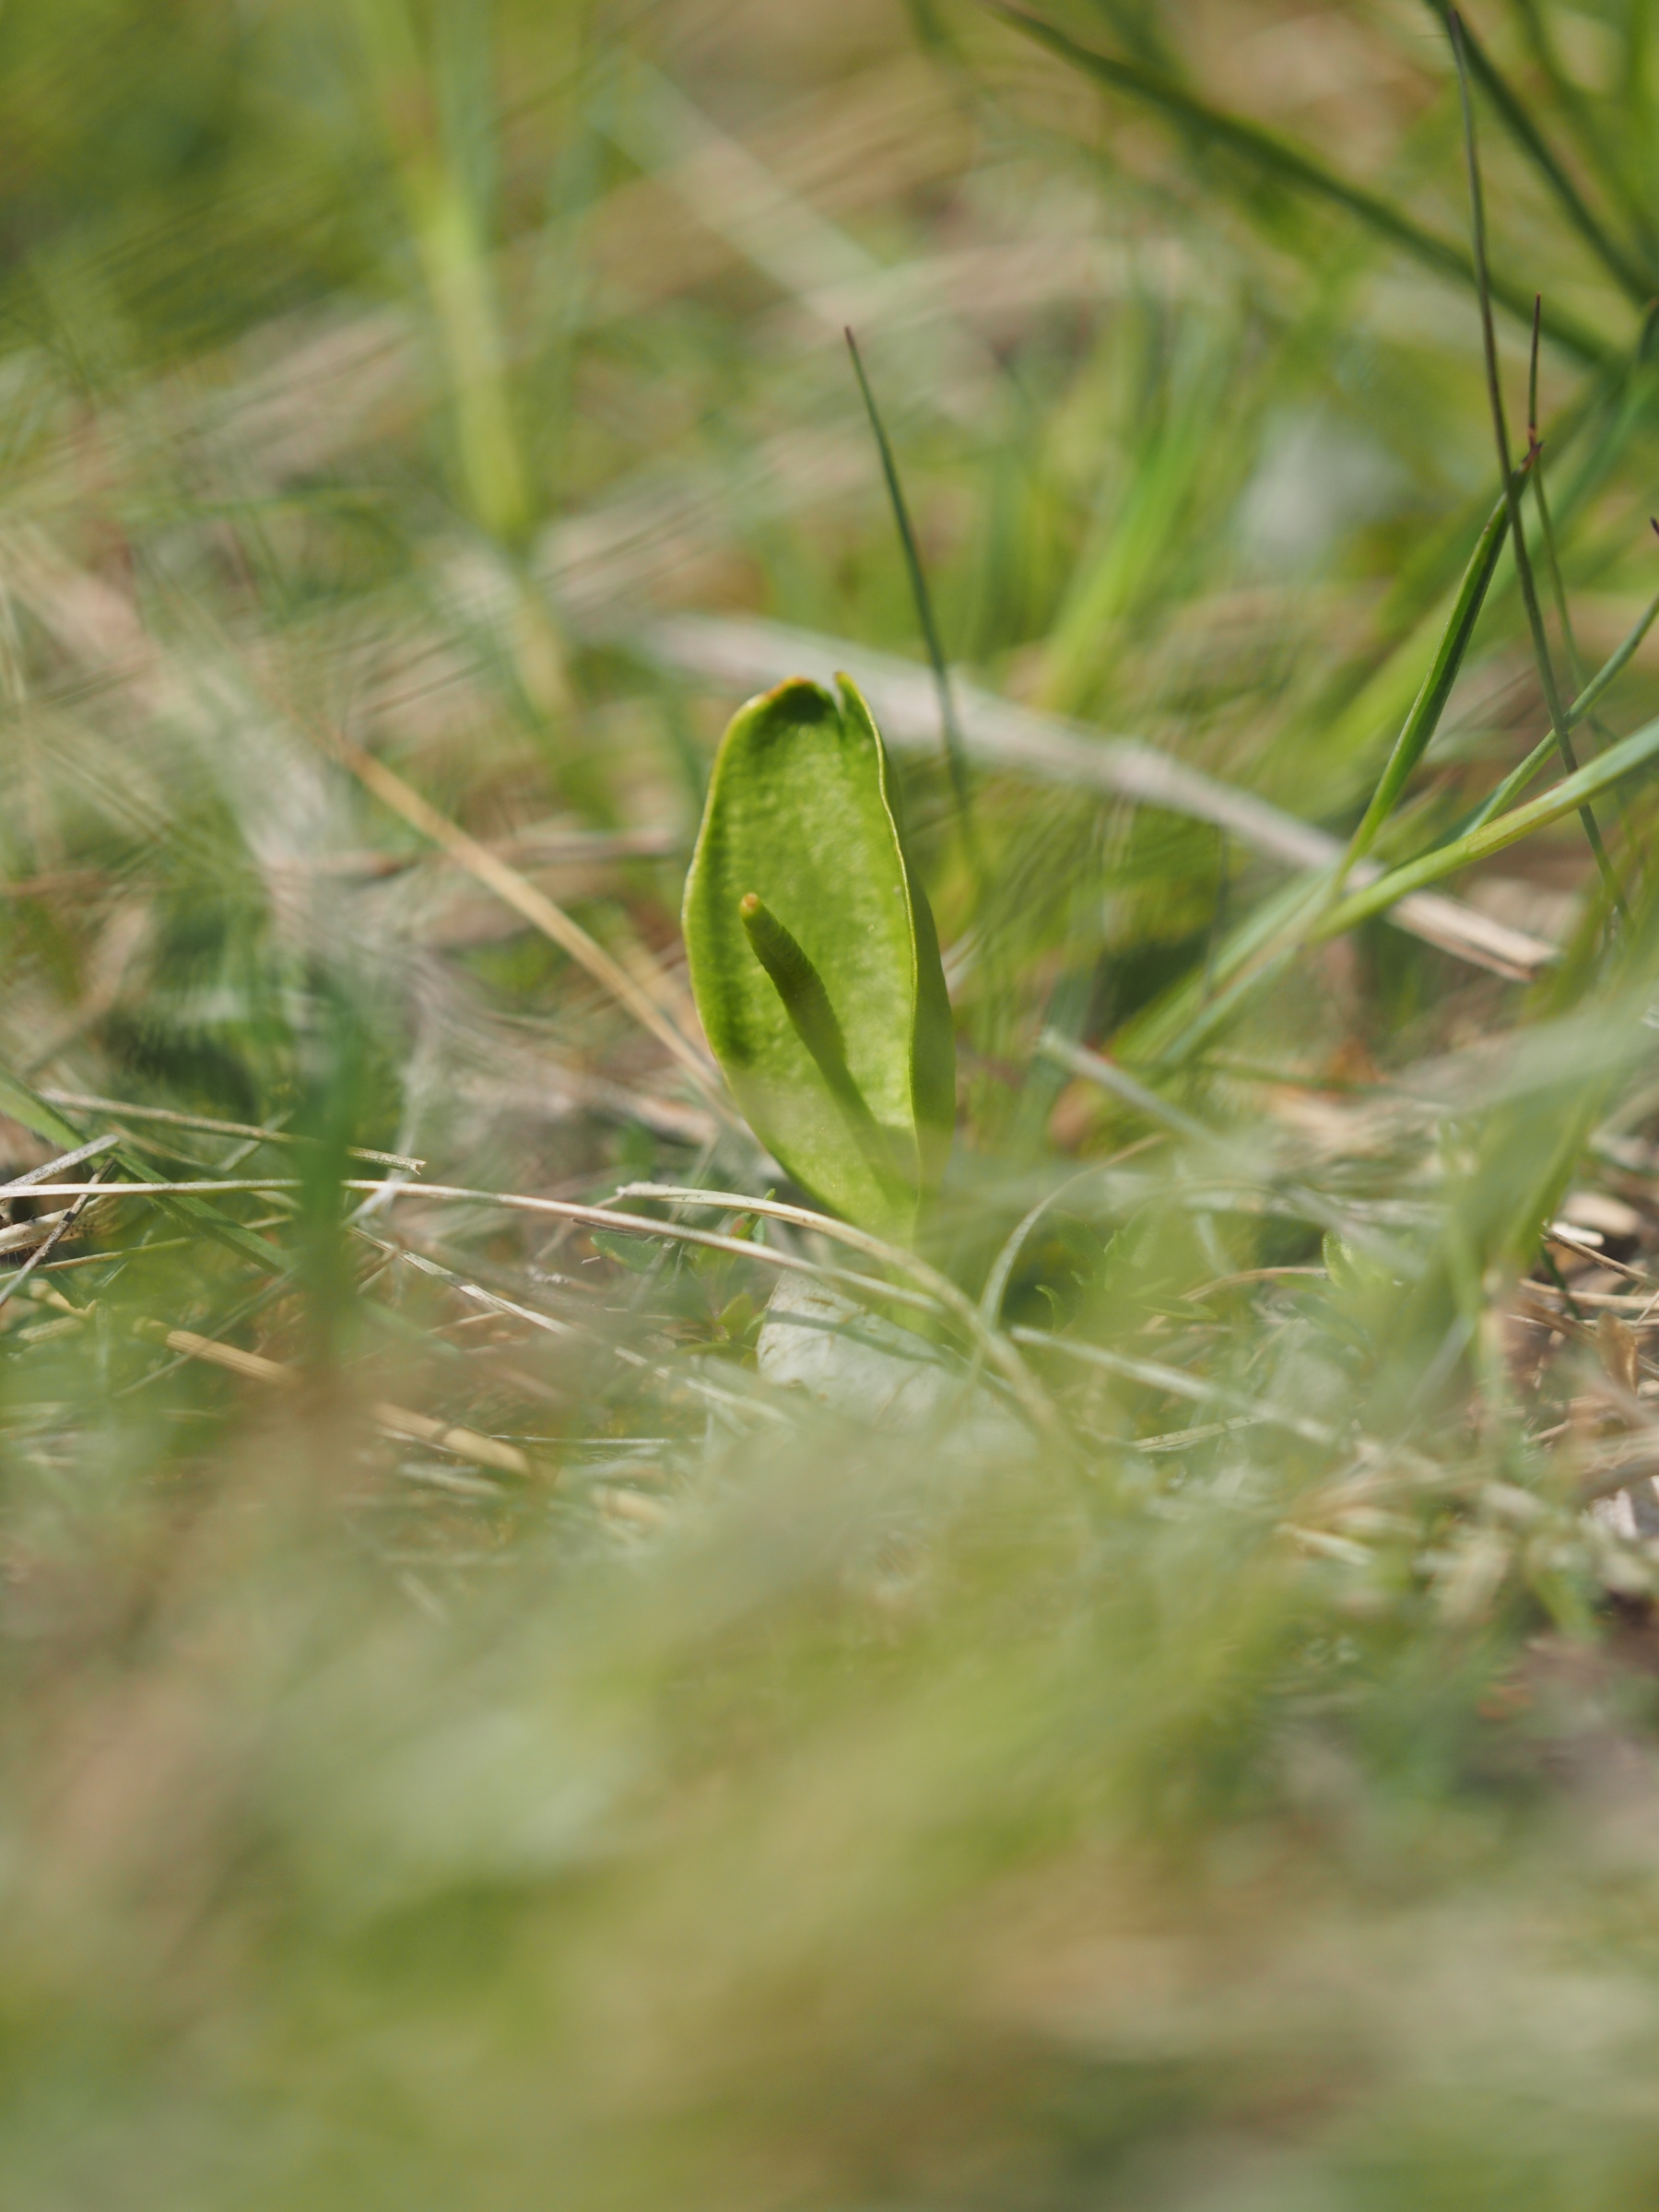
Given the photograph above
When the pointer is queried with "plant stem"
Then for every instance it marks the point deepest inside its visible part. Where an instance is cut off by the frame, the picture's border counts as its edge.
(956, 755)
(1524, 569)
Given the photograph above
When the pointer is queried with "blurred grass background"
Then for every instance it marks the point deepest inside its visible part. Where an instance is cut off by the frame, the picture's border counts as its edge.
(469, 1738)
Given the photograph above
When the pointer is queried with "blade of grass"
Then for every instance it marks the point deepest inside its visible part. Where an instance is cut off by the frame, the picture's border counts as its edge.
(1263, 947)
(1569, 796)
(955, 759)
(1430, 703)
(1593, 140)
(22, 1104)
(811, 259)
(53, 1167)
(535, 907)
(1107, 1075)
(44, 1249)
(1167, 1031)
(1270, 951)
(1635, 281)
(1002, 1268)
(1522, 775)
(1380, 689)
(1079, 1061)
(1591, 693)
(1275, 157)
(1273, 954)
(1615, 664)
(1169, 469)
(1558, 587)
(447, 224)
(1529, 592)
(87, 1102)
(396, 1421)
(1176, 1383)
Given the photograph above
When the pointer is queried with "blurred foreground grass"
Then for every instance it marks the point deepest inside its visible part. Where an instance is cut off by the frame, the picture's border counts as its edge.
(469, 1738)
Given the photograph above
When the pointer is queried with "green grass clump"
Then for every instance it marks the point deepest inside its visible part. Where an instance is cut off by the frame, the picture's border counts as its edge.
(538, 1667)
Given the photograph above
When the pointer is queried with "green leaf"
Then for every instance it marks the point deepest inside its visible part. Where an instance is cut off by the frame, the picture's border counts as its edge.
(1636, 281)
(1302, 171)
(1522, 775)
(1571, 793)
(814, 959)
(19, 1103)
(1431, 701)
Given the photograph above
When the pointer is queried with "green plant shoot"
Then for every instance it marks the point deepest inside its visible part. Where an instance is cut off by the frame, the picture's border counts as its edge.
(815, 961)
